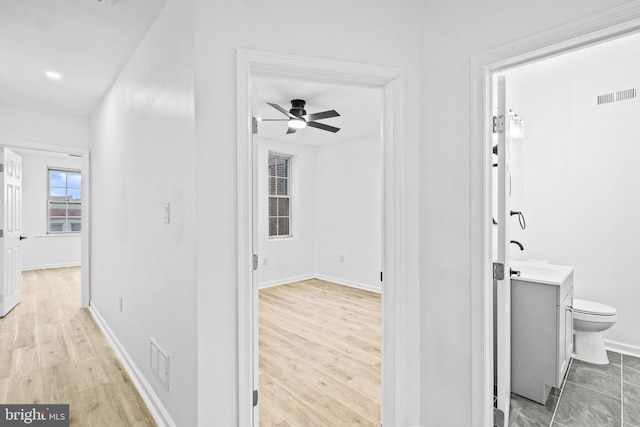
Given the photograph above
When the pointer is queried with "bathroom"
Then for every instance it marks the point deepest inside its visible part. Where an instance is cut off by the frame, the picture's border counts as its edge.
(575, 177)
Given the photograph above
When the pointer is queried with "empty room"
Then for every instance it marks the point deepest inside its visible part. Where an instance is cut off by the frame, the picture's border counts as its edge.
(318, 219)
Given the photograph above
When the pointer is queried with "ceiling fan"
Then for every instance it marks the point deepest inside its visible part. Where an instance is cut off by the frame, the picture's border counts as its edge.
(298, 117)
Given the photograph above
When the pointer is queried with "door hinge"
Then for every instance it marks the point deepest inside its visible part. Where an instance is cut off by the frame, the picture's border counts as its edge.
(498, 124)
(1, 167)
(255, 261)
(498, 418)
(254, 125)
(255, 398)
(381, 276)
(498, 271)
(1, 233)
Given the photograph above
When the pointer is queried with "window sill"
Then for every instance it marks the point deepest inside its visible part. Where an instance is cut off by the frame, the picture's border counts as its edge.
(276, 238)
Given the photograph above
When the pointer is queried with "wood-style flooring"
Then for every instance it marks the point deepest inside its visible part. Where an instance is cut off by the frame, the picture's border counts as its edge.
(52, 351)
(319, 355)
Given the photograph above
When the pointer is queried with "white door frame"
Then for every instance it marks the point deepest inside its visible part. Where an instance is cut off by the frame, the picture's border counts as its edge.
(251, 64)
(613, 23)
(85, 286)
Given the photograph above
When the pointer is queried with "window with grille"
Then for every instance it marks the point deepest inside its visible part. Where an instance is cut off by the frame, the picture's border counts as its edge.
(279, 196)
(65, 201)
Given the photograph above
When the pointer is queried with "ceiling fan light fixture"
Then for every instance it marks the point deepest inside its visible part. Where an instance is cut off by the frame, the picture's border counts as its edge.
(298, 118)
(297, 123)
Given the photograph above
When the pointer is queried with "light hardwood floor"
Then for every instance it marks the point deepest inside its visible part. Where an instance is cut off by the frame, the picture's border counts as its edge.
(319, 355)
(52, 351)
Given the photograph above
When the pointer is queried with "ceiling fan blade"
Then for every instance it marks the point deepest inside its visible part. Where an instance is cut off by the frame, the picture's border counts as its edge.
(323, 126)
(322, 115)
(282, 110)
(291, 130)
(274, 120)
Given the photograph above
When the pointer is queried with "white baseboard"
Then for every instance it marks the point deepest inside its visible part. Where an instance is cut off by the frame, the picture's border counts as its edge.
(279, 282)
(47, 266)
(336, 280)
(350, 283)
(619, 347)
(155, 406)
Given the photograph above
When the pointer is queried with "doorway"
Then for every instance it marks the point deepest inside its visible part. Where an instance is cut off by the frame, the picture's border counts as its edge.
(253, 64)
(319, 226)
(607, 26)
(68, 249)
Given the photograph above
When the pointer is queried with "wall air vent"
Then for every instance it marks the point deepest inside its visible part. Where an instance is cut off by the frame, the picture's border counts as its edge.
(626, 95)
(606, 98)
(159, 362)
(616, 97)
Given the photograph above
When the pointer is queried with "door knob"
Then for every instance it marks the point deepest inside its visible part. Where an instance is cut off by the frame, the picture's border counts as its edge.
(23, 237)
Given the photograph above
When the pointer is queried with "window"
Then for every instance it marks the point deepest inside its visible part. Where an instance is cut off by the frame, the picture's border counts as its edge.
(279, 196)
(65, 201)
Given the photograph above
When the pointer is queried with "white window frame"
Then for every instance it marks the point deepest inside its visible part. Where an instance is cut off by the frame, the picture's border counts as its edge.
(287, 157)
(49, 201)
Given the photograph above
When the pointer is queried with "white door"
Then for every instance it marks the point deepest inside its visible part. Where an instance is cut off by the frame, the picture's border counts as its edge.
(11, 211)
(503, 287)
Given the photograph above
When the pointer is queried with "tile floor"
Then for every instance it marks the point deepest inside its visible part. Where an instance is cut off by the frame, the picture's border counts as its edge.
(591, 396)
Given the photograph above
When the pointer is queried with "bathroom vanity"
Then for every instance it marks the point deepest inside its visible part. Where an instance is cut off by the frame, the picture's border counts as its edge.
(541, 327)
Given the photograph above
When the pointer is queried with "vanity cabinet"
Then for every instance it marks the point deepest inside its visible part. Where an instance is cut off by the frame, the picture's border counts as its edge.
(541, 335)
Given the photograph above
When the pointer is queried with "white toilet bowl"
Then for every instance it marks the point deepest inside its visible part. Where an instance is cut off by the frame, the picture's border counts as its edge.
(590, 319)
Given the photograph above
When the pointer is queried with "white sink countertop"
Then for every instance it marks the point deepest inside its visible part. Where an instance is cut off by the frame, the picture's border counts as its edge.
(550, 274)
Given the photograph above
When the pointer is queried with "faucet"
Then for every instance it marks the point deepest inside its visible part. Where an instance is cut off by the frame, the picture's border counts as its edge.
(515, 242)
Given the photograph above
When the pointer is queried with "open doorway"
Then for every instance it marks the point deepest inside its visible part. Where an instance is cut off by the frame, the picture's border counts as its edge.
(563, 46)
(576, 158)
(319, 227)
(52, 209)
(254, 64)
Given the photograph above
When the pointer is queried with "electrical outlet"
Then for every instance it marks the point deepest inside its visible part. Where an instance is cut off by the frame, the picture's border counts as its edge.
(167, 213)
(341, 258)
(120, 303)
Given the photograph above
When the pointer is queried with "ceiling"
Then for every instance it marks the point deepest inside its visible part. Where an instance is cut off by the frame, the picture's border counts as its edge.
(360, 110)
(602, 54)
(86, 41)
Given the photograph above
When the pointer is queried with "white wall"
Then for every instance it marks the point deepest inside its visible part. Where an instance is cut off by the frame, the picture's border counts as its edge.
(336, 211)
(349, 212)
(284, 260)
(580, 175)
(143, 157)
(41, 250)
(24, 124)
(371, 31)
(452, 33)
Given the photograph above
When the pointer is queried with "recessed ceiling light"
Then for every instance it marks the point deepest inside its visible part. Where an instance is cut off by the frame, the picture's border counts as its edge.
(53, 75)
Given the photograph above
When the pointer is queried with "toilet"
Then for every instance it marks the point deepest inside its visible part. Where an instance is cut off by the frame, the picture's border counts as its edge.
(590, 319)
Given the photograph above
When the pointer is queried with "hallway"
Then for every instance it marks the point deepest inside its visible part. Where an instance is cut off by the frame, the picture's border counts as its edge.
(54, 352)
